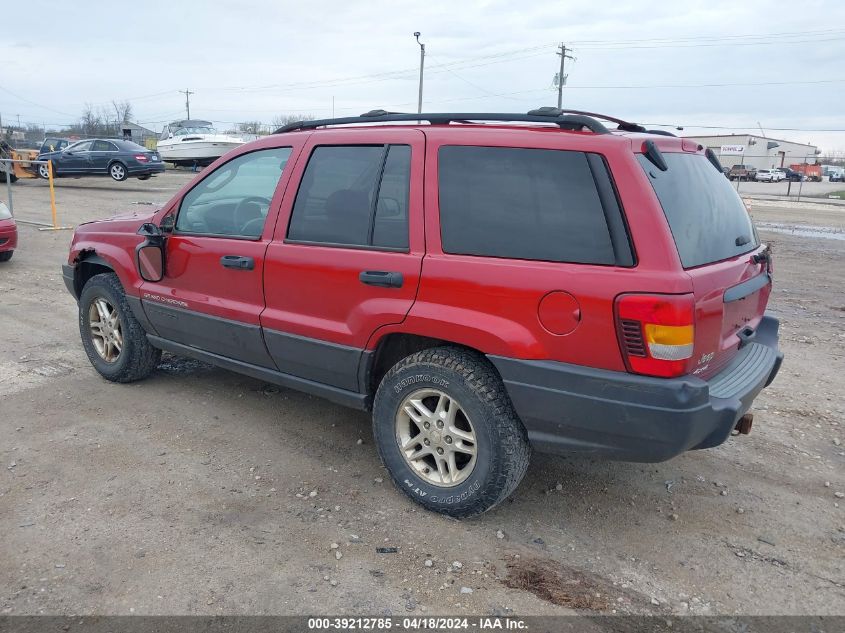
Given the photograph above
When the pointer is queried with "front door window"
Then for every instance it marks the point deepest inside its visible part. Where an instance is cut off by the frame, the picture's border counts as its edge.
(235, 199)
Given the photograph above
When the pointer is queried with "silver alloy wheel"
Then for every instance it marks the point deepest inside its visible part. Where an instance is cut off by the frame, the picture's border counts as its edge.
(44, 171)
(436, 437)
(106, 334)
(118, 171)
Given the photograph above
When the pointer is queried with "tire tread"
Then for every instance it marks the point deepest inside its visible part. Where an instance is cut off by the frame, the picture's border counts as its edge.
(143, 357)
(511, 462)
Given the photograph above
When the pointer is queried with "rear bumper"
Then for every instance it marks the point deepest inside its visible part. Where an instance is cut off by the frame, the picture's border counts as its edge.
(569, 408)
(143, 170)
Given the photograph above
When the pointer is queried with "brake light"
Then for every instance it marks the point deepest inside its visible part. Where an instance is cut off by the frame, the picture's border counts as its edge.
(656, 333)
(141, 158)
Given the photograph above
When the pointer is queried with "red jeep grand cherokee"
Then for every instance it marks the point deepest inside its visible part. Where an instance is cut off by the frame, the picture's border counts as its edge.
(484, 283)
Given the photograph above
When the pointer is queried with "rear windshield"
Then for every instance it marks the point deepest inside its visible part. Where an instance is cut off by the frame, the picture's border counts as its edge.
(706, 216)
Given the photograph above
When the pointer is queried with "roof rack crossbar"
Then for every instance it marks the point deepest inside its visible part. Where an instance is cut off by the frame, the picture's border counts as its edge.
(626, 126)
(568, 121)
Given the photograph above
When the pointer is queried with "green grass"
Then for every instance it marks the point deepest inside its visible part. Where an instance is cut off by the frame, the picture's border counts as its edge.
(837, 194)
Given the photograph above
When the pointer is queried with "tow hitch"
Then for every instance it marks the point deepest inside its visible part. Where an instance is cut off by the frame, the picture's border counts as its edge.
(743, 426)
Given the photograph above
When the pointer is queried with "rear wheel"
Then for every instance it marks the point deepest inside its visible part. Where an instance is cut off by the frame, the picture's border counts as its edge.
(447, 433)
(117, 171)
(113, 339)
(6, 256)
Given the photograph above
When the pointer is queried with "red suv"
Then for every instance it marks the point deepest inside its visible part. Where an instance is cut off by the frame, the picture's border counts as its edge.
(483, 283)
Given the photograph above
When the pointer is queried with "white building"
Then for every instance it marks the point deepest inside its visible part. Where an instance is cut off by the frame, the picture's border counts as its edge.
(757, 151)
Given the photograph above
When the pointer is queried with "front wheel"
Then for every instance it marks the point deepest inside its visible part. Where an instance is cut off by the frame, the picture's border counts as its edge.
(6, 256)
(447, 432)
(117, 171)
(44, 171)
(114, 341)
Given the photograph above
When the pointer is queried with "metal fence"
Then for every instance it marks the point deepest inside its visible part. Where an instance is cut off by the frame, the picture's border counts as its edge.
(7, 165)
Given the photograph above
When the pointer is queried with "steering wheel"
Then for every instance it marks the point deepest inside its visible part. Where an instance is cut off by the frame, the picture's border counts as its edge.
(244, 214)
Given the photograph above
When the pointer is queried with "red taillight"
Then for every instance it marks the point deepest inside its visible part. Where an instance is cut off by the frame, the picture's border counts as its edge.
(656, 333)
(141, 158)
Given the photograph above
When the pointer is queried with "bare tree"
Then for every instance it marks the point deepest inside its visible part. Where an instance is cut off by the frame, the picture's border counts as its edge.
(281, 120)
(250, 127)
(90, 123)
(122, 110)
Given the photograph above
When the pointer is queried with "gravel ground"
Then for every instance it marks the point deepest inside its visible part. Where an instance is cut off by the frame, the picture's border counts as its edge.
(200, 491)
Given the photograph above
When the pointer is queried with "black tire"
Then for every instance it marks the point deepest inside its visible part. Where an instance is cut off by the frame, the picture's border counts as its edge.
(145, 177)
(43, 173)
(6, 256)
(137, 358)
(502, 448)
(118, 171)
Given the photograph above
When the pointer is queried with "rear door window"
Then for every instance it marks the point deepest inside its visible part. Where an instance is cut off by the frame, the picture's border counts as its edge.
(354, 195)
(708, 220)
(523, 203)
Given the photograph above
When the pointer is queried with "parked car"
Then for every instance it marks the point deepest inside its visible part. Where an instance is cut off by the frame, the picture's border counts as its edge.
(103, 157)
(742, 172)
(837, 175)
(769, 175)
(482, 289)
(791, 174)
(8, 233)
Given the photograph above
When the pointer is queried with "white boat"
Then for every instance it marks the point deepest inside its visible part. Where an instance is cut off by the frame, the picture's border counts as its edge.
(194, 142)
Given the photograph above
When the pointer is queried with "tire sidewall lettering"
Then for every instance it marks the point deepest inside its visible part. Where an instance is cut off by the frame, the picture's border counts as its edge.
(463, 493)
(434, 380)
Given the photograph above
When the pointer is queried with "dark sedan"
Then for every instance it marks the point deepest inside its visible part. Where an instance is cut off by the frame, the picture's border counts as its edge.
(103, 157)
(789, 174)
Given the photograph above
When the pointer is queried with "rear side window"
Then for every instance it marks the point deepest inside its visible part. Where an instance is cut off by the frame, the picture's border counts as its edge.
(708, 220)
(354, 196)
(522, 203)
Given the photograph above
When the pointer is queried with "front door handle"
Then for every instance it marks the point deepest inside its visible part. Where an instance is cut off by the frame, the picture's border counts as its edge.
(381, 278)
(237, 262)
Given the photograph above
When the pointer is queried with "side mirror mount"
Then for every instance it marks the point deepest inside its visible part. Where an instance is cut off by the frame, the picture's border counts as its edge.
(149, 254)
(167, 223)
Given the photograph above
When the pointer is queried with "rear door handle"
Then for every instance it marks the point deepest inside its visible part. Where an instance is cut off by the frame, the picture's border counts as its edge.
(381, 278)
(237, 262)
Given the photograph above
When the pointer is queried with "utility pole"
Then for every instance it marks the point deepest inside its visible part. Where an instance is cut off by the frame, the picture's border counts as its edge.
(19, 123)
(188, 94)
(561, 78)
(422, 65)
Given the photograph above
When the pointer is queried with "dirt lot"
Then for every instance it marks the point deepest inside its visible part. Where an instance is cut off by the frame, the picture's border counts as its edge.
(200, 491)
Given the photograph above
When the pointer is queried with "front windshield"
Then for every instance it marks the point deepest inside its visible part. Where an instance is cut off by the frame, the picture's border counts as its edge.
(194, 130)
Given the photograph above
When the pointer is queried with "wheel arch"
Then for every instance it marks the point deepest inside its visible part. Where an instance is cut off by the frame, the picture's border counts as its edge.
(89, 264)
(387, 350)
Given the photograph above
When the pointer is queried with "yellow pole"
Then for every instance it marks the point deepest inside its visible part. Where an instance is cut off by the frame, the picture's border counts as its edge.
(52, 194)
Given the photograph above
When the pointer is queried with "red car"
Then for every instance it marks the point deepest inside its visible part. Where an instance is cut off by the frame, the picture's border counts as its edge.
(8, 234)
(485, 284)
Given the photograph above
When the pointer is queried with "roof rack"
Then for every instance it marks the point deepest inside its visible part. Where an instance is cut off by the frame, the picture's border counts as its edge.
(625, 126)
(565, 119)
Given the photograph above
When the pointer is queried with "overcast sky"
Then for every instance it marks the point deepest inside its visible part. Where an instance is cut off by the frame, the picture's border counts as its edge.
(780, 64)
